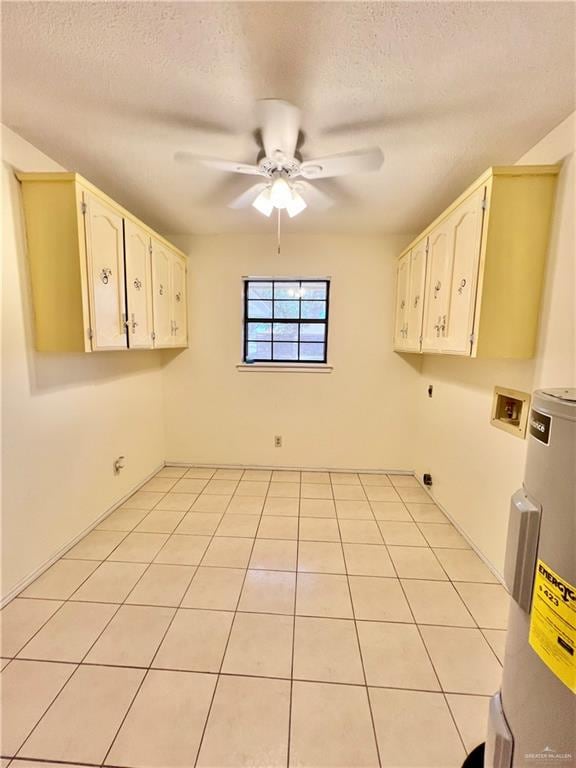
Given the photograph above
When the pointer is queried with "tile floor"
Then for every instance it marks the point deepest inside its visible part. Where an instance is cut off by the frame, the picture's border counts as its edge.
(227, 617)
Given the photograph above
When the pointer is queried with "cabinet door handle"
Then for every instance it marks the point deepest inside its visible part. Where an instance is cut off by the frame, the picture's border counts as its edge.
(416, 300)
(134, 323)
(437, 288)
(443, 326)
(462, 285)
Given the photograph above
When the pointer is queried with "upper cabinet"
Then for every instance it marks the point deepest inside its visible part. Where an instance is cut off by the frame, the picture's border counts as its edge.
(471, 283)
(98, 273)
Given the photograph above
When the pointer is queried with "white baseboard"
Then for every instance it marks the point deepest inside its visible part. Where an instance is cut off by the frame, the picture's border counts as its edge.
(285, 467)
(23, 583)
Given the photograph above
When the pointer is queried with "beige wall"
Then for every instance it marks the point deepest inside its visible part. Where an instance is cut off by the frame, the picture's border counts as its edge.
(64, 418)
(360, 415)
(476, 467)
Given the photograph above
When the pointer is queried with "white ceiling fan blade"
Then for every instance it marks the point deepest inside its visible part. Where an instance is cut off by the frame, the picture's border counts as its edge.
(247, 198)
(312, 195)
(279, 122)
(359, 161)
(217, 163)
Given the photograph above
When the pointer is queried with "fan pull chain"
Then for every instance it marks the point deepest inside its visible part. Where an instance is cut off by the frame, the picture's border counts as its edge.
(279, 213)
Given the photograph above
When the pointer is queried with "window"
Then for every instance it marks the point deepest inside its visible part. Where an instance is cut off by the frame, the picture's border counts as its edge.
(285, 321)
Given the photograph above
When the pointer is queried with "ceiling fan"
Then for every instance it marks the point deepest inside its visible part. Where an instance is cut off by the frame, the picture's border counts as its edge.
(286, 174)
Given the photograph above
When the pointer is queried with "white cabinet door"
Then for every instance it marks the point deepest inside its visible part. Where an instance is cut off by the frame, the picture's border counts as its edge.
(402, 287)
(138, 285)
(179, 303)
(161, 295)
(437, 287)
(415, 305)
(105, 271)
(466, 235)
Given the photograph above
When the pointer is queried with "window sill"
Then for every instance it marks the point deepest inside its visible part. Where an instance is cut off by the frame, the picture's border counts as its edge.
(286, 367)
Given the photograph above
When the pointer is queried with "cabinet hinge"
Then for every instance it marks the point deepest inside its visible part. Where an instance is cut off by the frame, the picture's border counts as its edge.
(83, 208)
(90, 334)
(427, 248)
(471, 338)
(150, 248)
(153, 336)
(484, 204)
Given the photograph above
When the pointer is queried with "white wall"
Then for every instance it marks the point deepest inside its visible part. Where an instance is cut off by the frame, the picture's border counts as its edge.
(64, 418)
(475, 466)
(360, 415)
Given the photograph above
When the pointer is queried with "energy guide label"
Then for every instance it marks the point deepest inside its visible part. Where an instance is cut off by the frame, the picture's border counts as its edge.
(553, 624)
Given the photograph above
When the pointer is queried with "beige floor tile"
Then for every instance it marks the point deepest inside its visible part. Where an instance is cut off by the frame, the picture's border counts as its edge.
(471, 716)
(404, 481)
(394, 511)
(28, 688)
(211, 504)
(331, 727)
(360, 532)
(221, 487)
(415, 494)
(315, 477)
(257, 474)
(110, 583)
(248, 724)
(317, 508)
(196, 641)
(162, 585)
(60, 580)
(252, 488)
(132, 637)
(395, 657)
(260, 644)
(488, 603)
(379, 599)
(21, 619)
(274, 555)
(268, 592)
(323, 595)
(381, 493)
(163, 484)
(228, 474)
(281, 507)
(286, 476)
(183, 549)
(228, 552)
(278, 528)
(373, 478)
(139, 547)
(69, 634)
(199, 523)
(357, 509)
(443, 535)
(416, 563)
(165, 724)
(214, 588)
(463, 660)
(177, 502)
(34, 764)
(497, 641)
(160, 521)
(327, 650)
(122, 520)
(245, 505)
(436, 602)
(320, 557)
(426, 513)
(143, 500)
(414, 728)
(171, 472)
(82, 722)
(316, 491)
(403, 534)
(200, 473)
(368, 560)
(190, 485)
(244, 526)
(464, 565)
(97, 545)
(318, 529)
(4, 663)
(349, 493)
(344, 478)
(282, 490)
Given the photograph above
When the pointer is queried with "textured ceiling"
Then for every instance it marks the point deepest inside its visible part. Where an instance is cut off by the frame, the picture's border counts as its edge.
(112, 90)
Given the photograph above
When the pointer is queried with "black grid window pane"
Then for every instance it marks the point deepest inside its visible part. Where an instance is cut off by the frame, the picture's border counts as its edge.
(286, 320)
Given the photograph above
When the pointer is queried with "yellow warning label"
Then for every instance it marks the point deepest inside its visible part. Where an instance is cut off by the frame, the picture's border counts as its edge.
(553, 624)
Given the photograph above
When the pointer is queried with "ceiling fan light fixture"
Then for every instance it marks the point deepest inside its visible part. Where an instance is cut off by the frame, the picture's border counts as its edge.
(296, 205)
(280, 193)
(263, 203)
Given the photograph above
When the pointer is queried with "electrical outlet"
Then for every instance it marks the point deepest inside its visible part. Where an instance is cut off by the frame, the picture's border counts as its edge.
(277, 441)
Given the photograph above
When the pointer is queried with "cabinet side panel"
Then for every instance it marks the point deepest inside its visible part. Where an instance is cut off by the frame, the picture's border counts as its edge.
(516, 248)
(54, 261)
